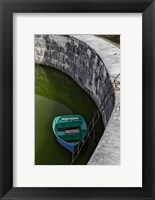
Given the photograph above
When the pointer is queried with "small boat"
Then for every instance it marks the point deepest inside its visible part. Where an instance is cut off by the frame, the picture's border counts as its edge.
(69, 130)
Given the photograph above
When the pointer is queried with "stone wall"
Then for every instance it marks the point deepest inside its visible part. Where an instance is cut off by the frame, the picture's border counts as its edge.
(80, 62)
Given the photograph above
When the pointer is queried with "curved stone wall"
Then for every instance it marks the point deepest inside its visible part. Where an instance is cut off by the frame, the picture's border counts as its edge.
(80, 62)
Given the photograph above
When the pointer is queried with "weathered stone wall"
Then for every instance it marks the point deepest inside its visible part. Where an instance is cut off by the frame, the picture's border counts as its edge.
(80, 62)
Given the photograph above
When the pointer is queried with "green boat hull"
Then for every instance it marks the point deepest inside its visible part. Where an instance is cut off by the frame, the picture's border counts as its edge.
(69, 130)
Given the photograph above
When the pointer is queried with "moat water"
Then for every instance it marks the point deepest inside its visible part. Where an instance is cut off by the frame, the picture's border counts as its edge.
(57, 94)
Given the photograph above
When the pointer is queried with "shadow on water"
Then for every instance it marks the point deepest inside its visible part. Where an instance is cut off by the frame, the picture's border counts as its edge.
(57, 94)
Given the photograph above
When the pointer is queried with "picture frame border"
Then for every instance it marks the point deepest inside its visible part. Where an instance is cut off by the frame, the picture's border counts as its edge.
(7, 8)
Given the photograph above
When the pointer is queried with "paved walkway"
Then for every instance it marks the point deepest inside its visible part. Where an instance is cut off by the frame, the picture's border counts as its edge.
(108, 150)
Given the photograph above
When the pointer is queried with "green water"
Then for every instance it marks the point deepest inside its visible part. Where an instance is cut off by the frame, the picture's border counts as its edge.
(57, 94)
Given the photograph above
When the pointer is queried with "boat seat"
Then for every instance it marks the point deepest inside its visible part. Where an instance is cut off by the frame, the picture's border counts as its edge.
(68, 128)
(67, 125)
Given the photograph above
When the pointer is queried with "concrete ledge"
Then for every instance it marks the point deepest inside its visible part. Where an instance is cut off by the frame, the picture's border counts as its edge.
(107, 151)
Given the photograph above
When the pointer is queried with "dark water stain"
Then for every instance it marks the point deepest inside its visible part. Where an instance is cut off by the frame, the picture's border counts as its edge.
(57, 94)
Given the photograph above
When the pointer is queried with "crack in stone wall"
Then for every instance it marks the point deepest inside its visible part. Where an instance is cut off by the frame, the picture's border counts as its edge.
(80, 62)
